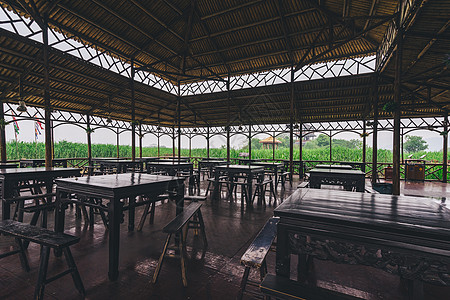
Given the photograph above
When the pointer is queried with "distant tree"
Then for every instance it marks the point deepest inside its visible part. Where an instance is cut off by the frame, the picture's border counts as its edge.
(414, 144)
(323, 140)
(256, 144)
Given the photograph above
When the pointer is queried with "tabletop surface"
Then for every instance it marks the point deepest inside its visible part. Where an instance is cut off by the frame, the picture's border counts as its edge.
(114, 160)
(336, 171)
(267, 164)
(213, 161)
(36, 170)
(322, 166)
(239, 167)
(416, 216)
(168, 163)
(117, 181)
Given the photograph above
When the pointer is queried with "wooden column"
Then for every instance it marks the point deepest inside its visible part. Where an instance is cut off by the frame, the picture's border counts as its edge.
(249, 141)
(228, 118)
(179, 127)
(300, 137)
(158, 143)
(140, 140)
(117, 143)
(48, 114)
(364, 146)
(133, 114)
(190, 145)
(88, 134)
(397, 101)
(291, 127)
(273, 146)
(2, 136)
(445, 150)
(331, 156)
(207, 142)
(375, 130)
(173, 141)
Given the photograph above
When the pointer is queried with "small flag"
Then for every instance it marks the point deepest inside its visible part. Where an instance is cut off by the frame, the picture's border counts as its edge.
(40, 124)
(36, 129)
(16, 126)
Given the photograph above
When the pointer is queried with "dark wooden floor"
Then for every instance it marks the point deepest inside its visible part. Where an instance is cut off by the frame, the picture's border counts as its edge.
(230, 228)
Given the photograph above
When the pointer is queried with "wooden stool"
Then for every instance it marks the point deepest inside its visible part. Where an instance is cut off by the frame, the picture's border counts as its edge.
(47, 239)
(176, 227)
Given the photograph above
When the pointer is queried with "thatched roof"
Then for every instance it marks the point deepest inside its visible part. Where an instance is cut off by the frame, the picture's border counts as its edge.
(191, 41)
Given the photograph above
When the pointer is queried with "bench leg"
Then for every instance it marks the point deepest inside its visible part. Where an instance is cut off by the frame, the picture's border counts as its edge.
(22, 255)
(75, 275)
(152, 213)
(181, 247)
(202, 229)
(161, 259)
(144, 216)
(42, 276)
(243, 283)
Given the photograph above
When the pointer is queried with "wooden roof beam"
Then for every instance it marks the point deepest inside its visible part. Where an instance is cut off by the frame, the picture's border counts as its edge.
(426, 48)
(93, 23)
(284, 27)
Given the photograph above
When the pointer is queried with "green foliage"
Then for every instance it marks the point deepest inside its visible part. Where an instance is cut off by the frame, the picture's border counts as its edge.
(323, 140)
(414, 144)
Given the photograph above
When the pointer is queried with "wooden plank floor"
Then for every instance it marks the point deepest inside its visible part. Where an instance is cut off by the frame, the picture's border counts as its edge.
(230, 229)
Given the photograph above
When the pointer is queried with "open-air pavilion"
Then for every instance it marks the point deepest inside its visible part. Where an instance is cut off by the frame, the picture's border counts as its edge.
(187, 69)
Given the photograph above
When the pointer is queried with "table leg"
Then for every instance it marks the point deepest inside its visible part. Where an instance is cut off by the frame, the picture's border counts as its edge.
(283, 258)
(216, 185)
(115, 216)
(131, 212)
(276, 178)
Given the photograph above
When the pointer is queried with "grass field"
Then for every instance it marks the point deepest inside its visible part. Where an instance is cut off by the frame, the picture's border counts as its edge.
(64, 149)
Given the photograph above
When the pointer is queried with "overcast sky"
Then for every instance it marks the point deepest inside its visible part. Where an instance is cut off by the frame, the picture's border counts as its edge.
(104, 136)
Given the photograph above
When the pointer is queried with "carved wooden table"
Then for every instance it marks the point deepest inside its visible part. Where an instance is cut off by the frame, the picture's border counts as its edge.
(37, 162)
(12, 180)
(348, 178)
(407, 236)
(121, 165)
(114, 188)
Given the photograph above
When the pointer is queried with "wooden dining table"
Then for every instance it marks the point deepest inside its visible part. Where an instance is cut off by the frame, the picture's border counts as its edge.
(13, 180)
(119, 164)
(229, 170)
(403, 235)
(272, 167)
(337, 176)
(114, 188)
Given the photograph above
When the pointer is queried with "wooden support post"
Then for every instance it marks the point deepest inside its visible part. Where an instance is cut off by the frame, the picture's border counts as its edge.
(179, 128)
(249, 141)
(273, 146)
(190, 146)
(228, 117)
(173, 141)
(397, 101)
(375, 130)
(331, 156)
(88, 134)
(364, 146)
(117, 143)
(291, 127)
(207, 142)
(140, 140)
(158, 143)
(133, 114)
(445, 150)
(300, 137)
(48, 114)
(2, 136)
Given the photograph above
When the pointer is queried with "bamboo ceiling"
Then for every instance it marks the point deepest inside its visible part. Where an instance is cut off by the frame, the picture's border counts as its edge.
(193, 41)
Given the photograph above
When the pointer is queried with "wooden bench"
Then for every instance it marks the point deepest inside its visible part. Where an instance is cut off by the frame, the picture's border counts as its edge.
(47, 239)
(255, 256)
(285, 288)
(176, 227)
(303, 185)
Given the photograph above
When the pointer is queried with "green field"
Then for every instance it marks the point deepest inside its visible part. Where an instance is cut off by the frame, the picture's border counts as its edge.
(64, 149)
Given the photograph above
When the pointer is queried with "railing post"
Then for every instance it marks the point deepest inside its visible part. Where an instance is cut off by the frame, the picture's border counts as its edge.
(445, 150)
(2, 135)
